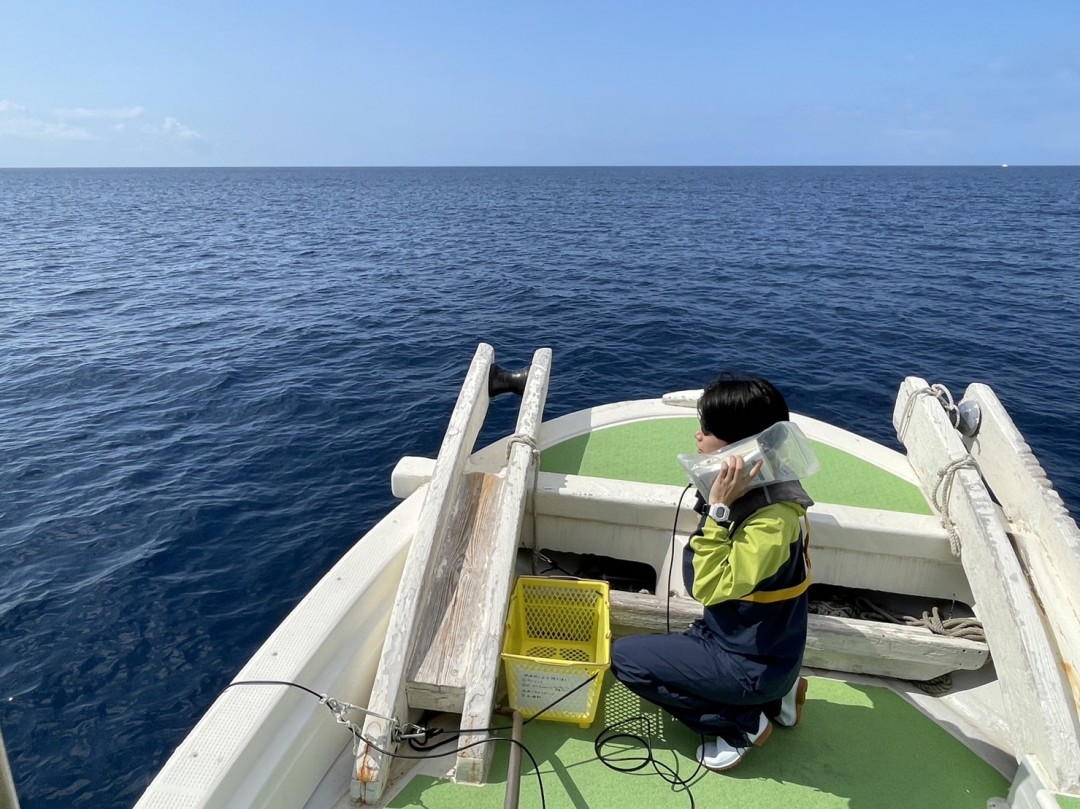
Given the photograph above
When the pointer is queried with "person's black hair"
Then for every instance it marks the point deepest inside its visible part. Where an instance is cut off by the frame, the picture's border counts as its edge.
(733, 408)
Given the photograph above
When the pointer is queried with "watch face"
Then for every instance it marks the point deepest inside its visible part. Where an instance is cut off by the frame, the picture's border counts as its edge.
(719, 512)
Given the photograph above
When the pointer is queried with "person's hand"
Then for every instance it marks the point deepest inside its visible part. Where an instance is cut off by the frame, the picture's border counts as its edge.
(732, 482)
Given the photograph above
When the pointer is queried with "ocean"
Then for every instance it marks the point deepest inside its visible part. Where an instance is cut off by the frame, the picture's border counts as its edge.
(207, 375)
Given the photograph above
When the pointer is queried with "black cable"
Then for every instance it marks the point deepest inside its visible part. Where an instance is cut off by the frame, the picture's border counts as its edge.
(674, 528)
(460, 731)
(548, 707)
(604, 737)
(276, 682)
(608, 736)
(429, 734)
(536, 767)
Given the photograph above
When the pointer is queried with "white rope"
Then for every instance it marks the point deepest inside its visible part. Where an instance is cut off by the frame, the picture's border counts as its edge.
(521, 438)
(939, 392)
(940, 497)
(943, 487)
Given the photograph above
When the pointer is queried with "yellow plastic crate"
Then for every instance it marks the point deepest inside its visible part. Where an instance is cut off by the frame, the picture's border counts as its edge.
(558, 635)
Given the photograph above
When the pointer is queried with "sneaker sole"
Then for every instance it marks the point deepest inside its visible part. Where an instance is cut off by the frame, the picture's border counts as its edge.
(800, 700)
(764, 737)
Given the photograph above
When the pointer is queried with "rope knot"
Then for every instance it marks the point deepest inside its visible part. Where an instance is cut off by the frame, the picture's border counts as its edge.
(521, 438)
(940, 497)
(939, 392)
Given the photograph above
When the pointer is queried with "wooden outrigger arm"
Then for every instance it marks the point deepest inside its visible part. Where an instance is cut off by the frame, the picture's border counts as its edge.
(442, 645)
(1028, 613)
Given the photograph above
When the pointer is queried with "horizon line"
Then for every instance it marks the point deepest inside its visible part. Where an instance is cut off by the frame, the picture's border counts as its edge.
(563, 166)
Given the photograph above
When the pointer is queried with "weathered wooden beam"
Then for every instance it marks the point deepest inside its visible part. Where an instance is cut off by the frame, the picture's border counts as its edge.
(834, 643)
(443, 493)
(1045, 536)
(438, 673)
(489, 608)
(1037, 696)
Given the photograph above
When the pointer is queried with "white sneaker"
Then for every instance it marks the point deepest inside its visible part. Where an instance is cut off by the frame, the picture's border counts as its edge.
(719, 755)
(792, 704)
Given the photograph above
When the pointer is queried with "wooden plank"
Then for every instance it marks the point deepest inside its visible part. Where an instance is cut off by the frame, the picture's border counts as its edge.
(473, 762)
(835, 643)
(441, 498)
(439, 672)
(1037, 697)
(1045, 535)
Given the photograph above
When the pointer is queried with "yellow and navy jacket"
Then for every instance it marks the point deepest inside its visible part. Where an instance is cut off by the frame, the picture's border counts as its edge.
(752, 579)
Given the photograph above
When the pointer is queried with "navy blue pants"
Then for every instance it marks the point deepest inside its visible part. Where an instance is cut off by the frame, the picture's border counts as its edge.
(710, 690)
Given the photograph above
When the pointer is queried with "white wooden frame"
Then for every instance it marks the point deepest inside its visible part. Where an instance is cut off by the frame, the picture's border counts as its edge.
(1037, 695)
(388, 691)
(434, 547)
(484, 656)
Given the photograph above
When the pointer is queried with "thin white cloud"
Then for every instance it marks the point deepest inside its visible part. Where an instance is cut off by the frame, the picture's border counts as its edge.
(103, 124)
(110, 114)
(22, 126)
(172, 128)
(17, 121)
(10, 107)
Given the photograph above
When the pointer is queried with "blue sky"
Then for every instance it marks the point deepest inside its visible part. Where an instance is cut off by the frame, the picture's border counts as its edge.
(472, 82)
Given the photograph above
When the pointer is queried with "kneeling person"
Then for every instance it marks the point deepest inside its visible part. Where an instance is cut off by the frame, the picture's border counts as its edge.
(736, 670)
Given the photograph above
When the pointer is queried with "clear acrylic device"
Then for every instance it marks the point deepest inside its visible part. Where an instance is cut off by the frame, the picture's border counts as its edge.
(784, 450)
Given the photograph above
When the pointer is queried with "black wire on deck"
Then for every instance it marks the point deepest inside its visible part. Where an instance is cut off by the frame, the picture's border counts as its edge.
(429, 734)
(606, 737)
(536, 767)
(628, 763)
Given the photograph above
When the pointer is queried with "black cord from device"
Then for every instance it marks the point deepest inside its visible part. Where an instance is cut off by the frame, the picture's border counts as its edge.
(536, 767)
(536, 715)
(429, 734)
(670, 774)
(313, 693)
(674, 529)
(605, 737)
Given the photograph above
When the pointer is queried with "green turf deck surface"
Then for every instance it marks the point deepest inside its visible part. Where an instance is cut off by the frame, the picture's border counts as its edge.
(859, 747)
(645, 451)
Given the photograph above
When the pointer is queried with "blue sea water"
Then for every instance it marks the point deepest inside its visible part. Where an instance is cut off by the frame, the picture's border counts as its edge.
(206, 376)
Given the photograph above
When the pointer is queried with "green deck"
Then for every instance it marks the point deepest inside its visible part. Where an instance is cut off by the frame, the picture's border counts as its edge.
(859, 747)
(645, 451)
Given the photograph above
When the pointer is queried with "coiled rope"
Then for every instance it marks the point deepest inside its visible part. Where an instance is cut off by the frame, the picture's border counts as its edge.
(865, 609)
(939, 392)
(940, 497)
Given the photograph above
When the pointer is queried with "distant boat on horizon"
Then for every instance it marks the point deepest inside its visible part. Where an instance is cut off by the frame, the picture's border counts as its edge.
(1004, 165)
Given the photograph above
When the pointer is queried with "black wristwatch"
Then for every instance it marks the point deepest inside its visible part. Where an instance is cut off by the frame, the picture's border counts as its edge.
(721, 514)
